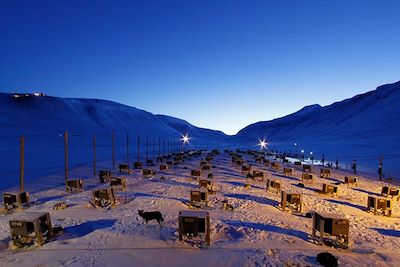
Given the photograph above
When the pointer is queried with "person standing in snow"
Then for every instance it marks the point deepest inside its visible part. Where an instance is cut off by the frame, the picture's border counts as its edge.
(337, 163)
(380, 172)
(354, 167)
(323, 160)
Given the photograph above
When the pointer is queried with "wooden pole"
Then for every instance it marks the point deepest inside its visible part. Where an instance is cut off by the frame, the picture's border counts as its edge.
(113, 149)
(22, 163)
(138, 148)
(154, 148)
(127, 148)
(147, 148)
(66, 156)
(164, 146)
(94, 155)
(159, 146)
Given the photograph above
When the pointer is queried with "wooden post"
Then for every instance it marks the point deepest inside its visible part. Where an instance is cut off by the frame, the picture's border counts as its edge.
(164, 146)
(113, 149)
(147, 148)
(94, 154)
(66, 156)
(159, 146)
(138, 148)
(22, 163)
(154, 148)
(127, 149)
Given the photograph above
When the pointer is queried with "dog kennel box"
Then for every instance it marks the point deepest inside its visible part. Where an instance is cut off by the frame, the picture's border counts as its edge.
(118, 183)
(203, 163)
(199, 196)
(149, 162)
(205, 167)
(293, 201)
(380, 205)
(246, 168)
(239, 162)
(15, 200)
(329, 189)
(287, 171)
(307, 177)
(349, 180)
(194, 225)
(148, 173)
(208, 184)
(334, 226)
(274, 184)
(31, 228)
(74, 185)
(104, 176)
(124, 168)
(215, 151)
(164, 167)
(390, 192)
(297, 163)
(258, 159)
(306, 167)
(104, 197)
(196, 173)
(275, 166)
(138, 165)
(258, 174)
(324, 173)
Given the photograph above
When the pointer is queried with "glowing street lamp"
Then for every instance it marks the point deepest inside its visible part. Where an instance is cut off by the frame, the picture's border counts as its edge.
(262, 144)
(185, 139)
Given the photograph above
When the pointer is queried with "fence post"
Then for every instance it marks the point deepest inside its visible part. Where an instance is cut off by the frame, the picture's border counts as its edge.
(147, 148)
(66, 156)
(154, 148)
(113, 149)
(138, 148)
(127, 148)
(22, 163)
(94, 154)
(159, 146)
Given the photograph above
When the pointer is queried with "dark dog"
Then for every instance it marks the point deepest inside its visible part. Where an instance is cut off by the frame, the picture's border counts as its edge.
(326, 259)
(152, 215)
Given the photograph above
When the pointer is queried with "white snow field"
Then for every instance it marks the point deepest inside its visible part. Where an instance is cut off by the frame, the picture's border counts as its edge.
(255, 233)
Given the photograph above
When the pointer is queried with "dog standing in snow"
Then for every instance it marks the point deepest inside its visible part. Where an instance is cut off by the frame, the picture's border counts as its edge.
(151, 215)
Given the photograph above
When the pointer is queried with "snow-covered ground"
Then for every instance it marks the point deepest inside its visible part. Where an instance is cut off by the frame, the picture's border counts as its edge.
(256, 233)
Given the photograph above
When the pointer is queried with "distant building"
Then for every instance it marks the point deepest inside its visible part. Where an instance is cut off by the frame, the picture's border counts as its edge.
(26, 95)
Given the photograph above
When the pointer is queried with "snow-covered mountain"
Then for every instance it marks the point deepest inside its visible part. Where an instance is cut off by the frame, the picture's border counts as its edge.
(185, 127)
(44, 119)
(361, 128)
(36, 114)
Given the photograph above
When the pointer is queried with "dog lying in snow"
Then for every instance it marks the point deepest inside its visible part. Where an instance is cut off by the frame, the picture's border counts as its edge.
(151, 215)
(326, 259)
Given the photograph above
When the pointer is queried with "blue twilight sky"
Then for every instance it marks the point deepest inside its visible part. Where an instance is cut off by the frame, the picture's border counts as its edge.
(218, 64)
